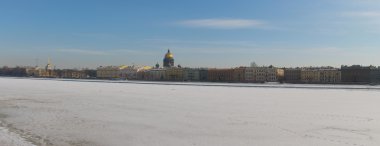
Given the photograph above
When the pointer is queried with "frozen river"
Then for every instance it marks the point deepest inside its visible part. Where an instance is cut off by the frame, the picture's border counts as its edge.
(60, 113)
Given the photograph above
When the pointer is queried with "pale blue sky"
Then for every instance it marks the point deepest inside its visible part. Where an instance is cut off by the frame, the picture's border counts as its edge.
(200, 33)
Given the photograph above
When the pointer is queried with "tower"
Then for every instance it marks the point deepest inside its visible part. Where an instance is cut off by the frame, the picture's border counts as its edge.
(49, 69)
(49, 66)
(168, 59)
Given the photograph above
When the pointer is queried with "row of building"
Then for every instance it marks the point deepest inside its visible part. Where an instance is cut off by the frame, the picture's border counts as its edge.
(324, 75)
(49, 71)
(60, 73)
(312, 75)
(240, 74)
(355, 74)
(253, 74)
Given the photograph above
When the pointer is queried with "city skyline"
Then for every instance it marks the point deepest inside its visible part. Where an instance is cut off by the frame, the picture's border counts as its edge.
(78, 34)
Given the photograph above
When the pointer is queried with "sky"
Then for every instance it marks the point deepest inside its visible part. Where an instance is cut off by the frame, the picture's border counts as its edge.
(200, 33)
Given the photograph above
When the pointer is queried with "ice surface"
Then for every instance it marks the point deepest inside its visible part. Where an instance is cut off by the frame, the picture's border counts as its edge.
(8, 138)
(91, 113)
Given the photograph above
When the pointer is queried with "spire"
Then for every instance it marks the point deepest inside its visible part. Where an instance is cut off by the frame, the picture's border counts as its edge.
(49, 66)
(168, 50)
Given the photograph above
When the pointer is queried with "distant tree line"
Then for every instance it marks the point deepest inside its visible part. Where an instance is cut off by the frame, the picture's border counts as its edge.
(22, 72)
(16, 71)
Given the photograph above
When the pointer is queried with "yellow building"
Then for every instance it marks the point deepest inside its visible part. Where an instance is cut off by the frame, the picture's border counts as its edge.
(142, 73)
(220, 75)
(73, 74)
(320, 75)
(280, 73)
(109, 72)
(310, 75)
(263, 74)
(174, 74)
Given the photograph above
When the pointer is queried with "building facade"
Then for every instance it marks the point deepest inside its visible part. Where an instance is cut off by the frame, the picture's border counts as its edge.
(250, 74)
(280, 74)
(220, 75)
(108, 72)
(375, 75)
(157, 74)
(310, 75)
(263, 74)
(239, 74)
(330, 76)
(72, 74)
(356, 74)
(320, 75)
(203, 74)
(174, 74)
(292, 75)
(191, 74)
(111, 72)
(32, 71)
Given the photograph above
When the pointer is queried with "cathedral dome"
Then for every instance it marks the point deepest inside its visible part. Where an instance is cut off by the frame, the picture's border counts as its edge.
(169, 59)
(169, 55)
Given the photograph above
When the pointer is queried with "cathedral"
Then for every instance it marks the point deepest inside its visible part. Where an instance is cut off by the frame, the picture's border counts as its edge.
(168, 60)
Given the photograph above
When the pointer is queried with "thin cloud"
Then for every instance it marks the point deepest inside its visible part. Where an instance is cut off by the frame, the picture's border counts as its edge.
(200, 42)
(133, 52)
(223, 23)
(83, 52)
(94, 35)
(363, 14)
(365, 21)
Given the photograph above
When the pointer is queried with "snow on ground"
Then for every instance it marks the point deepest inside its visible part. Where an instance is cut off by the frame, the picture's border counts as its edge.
(11, 139)
(52, 112)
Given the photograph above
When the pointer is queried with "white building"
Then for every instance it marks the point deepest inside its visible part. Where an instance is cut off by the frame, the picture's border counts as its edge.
(191, 74)
(155, 74)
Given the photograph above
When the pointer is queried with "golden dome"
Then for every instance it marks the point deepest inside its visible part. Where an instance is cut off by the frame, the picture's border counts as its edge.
(169, 55)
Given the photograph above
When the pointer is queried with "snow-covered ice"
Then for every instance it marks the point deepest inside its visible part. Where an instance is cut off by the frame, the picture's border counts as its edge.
(56, 112)
(8, 138)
